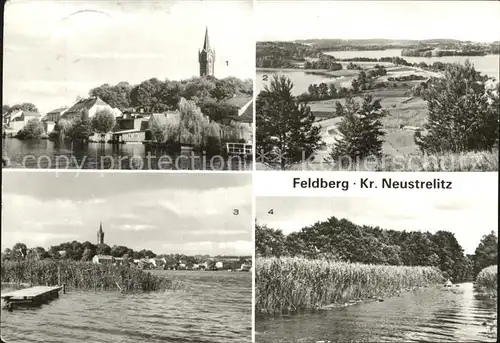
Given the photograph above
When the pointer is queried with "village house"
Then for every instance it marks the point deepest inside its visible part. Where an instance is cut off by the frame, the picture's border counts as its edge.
(92, 105)
(103, 259)
(54, 115)
(243, 118)
(16, 120)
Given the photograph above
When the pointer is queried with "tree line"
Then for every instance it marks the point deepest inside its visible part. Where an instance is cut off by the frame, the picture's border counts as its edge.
(77, 251)
(341, 240)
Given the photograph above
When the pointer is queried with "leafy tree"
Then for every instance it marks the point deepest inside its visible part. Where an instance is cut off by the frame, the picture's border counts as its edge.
(192, 122)
(460, 116)
(5, 109)
(80, 129)
(20, 250)
(269, 242)
(286, 133)
(25, 106)
(486, 253)
(223, 90)
(103, 249)
(360, 129)
(103, 122)
(32, 130)
(63, 127)
(87, 255)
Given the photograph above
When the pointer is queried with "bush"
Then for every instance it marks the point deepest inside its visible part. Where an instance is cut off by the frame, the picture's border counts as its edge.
(32, 130)
(488, 279)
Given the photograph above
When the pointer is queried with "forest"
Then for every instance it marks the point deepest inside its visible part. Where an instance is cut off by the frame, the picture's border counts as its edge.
(343, 241)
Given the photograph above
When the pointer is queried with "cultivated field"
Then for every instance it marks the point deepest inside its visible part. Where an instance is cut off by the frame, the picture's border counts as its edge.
(291, 284)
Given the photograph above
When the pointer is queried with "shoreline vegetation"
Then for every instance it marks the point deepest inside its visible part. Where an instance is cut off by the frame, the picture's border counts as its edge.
(295, 55)
(487, 280)
(415, 125)
(336, 263)
(294, 284)
(81, 275)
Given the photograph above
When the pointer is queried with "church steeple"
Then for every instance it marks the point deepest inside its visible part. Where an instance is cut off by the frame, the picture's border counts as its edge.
(100, 235)
(206, 57)
(206, 43)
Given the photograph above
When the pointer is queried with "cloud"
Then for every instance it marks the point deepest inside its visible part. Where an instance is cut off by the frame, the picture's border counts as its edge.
(133, 212)
(121, 55)
(237, 248)
(134, 227)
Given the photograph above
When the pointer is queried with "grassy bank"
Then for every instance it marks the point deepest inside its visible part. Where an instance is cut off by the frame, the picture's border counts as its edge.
(289, 284)
(487, 279)
(84, 275)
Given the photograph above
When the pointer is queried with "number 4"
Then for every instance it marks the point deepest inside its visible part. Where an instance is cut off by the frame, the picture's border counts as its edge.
(271, 211)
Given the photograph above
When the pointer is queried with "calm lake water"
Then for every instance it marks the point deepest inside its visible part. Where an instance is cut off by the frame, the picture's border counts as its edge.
(47, 154)
(427, 315)
(488, 65)
(215, 307)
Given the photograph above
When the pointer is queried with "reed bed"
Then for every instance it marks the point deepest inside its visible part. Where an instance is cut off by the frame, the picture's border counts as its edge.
(85, 276)
(487, 279)
(291, 284)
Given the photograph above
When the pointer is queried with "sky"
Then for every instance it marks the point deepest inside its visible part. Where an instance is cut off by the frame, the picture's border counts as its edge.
(468, 218)
(56, 51)
(189, 213)
(463, 20)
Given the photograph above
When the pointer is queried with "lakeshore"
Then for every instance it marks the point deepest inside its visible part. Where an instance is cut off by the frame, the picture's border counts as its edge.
(396, 92)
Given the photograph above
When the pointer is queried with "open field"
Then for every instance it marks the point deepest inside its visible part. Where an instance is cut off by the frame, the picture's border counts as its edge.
(290, 284)
(487, 279)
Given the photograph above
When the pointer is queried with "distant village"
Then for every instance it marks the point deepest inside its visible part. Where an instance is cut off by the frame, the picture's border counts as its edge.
(209, 264)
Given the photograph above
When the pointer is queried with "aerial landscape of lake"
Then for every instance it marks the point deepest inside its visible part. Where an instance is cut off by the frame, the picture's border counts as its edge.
(44, 153)
(432, 314)
(211, 307)
(488, 65)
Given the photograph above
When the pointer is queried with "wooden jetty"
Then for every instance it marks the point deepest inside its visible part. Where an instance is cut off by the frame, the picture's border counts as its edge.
(34, 296)
(243, 149)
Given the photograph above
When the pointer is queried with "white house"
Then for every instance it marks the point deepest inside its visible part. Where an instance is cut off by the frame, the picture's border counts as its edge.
(92, 104)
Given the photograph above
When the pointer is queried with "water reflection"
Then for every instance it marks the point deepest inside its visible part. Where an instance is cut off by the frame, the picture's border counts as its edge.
(196, 314)
(430, 315)
(66, 155)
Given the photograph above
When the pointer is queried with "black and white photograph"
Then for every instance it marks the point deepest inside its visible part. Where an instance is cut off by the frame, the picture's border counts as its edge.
(126, 257)
(142, 85)
(355, 269)
(377, 85)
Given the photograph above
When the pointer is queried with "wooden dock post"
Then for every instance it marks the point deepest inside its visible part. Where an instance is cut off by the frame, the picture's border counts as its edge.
(64, 288)
(58, 275)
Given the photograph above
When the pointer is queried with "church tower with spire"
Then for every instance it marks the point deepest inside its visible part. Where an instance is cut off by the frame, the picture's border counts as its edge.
(206, 58)
(100, 235)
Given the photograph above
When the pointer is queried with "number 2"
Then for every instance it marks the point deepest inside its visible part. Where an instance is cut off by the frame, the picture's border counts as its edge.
(264, 77)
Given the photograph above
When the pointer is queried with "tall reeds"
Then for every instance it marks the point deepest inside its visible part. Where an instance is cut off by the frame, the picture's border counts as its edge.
(84, 275)
(288, 284)
(487, 279)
